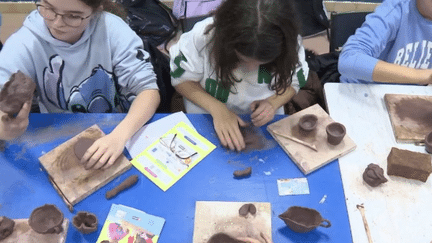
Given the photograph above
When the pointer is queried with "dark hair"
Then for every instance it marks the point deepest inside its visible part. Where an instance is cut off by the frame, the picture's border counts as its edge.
(223, 238)
(265, 30)
(108, 5)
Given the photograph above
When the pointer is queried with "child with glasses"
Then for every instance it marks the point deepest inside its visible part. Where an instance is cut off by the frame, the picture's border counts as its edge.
(245, 59)
(82, 59)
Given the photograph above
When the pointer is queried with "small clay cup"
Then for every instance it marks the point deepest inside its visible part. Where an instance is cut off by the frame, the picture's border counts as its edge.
(308, 123)
(335, 133)
(85, 222)
(428, 142)
(46, 219)
(303, 220)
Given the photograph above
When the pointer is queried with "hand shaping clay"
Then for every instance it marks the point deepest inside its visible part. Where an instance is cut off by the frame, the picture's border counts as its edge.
(85, 222)
(243, 173)
(374, 175)
(16, 92)
(6, 227)
(409, 164)
(81, 146)
(46, 219)
(130, 181)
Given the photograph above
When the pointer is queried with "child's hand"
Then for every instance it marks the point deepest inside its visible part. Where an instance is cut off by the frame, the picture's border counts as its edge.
(262, 112)
(226, 124)
(11, 128)
(103, 152)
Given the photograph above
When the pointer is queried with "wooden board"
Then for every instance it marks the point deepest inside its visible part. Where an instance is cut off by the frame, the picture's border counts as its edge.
(410, 116)
(73, 180)
(304, 157)
(24, 233)
(212, 217)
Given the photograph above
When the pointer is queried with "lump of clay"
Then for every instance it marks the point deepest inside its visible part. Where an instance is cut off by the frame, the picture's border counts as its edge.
(374, 175)
(81, 146)
(223, 238)
(247, 208)
(46, 219)
(128, 182)
(85, 222)
(243, 173)
(6, 227)
(15, 92)
(409, 164)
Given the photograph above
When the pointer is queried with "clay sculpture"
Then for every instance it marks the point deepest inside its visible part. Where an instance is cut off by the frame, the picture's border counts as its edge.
(46, 219)
(128, 182)
(15, 92)
(374, 175)
(243, 173)
(85, 222)
(428, 142)
(308, 123)
(409, 164)
(335, 133)
(81, 146)
(6, 227)
(247, 208)
(302, 220)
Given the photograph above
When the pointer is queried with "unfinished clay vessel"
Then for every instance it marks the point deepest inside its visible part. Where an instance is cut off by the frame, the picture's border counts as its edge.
(46, 219)
(81, 146)
(374, 175)
(85, 222)
(308, 123)
(428, 142)
(6, 227)
(302, 220)
(335, 133)
(16, 92)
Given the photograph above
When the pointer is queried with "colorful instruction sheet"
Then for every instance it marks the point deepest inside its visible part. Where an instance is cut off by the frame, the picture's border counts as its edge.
(173, 155)
(293, 186)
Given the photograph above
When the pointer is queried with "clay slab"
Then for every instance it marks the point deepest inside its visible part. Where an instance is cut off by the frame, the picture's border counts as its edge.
(211, 214)
(24, 233)
(73, 179)
(305, 158)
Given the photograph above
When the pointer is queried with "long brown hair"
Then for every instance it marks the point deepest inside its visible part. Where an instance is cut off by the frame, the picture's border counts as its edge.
(265, 30)
(109, 6)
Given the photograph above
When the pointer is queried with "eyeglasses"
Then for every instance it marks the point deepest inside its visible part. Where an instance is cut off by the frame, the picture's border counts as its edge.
(180, 152)
(71, 20)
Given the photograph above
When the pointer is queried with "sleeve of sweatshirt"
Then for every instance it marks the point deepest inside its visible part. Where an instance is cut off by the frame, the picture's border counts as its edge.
(131, 62)
(361, 51)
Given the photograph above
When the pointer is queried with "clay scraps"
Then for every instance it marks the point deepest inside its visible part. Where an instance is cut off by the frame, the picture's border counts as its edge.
(128, 182)
(238, 174)
(6, 227)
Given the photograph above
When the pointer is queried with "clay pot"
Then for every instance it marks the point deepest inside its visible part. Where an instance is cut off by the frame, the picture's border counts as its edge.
(302, 220)
(428, 142)
(308, 123)
(335, 133)
(85, 222)
(6, 227)
(46, 219)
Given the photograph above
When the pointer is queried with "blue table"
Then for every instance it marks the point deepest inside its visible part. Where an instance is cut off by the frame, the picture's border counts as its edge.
(24, 186)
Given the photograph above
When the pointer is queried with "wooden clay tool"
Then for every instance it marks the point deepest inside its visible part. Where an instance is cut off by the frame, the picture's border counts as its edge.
(362, 212)
(311, 146)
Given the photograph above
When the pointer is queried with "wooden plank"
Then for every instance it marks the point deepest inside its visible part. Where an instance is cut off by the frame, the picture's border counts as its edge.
(24, 233)
(213, 217)
(305, 158)
(74, 181)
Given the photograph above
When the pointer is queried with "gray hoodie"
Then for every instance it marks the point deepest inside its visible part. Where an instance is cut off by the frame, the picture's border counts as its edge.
(102, 72)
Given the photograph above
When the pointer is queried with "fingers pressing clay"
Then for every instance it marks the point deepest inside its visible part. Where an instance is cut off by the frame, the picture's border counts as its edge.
(243, 173)
(130, 181)
(81, 146)
(18, 90)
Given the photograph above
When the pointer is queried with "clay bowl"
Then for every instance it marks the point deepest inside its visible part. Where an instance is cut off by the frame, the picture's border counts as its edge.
(428, 142)
(335, 133)
(302, 220)
(46, 219)
(85, 222)
(308, 122)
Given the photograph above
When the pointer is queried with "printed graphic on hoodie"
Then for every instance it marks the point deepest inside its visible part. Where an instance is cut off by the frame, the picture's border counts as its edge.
(95, 94)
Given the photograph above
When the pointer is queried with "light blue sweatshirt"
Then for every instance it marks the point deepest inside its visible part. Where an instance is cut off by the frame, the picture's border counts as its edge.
(395, 33)
(102, 72)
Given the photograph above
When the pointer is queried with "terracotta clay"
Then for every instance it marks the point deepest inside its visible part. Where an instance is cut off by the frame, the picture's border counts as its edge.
(252, 138)
(308, 123)
(6, 227)
(46, 219)
(374, 175)
(85, 222)
(128, 182)
(243, 173)
(223, 238)
(15, 92)
(428, 142)
(335, 133)
(302, 220)
(247, 208)
(81, 146)
(409, 164)
(409, 109)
